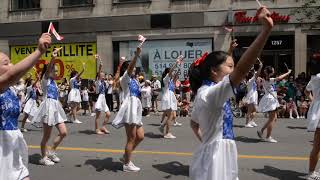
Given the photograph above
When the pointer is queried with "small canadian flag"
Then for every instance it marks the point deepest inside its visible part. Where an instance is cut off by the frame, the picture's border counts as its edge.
(54, 32)
(142, 39)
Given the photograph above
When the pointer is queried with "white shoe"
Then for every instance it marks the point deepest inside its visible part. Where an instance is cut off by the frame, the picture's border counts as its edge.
(53, 157)
(253, 124)
(28, 121)
(77, 121)
(291, 117)
(313, 176)
(92, 114)
(23, 130)
(46, 161)
(130, 167)
(177, 124)
(169, 136)
(271, 140)
(249, 125)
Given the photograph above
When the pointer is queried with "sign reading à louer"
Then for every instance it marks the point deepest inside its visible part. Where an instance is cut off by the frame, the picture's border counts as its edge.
(160, 54)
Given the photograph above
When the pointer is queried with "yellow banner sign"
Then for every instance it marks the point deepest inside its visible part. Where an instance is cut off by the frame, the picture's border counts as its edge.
(70, 58)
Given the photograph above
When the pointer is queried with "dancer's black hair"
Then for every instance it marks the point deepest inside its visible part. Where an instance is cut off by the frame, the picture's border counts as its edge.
(314, 66)
(197, 74)
(73, 74)
(124, 67)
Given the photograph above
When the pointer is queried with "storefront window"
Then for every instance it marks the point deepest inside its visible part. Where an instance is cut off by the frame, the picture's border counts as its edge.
(313, 53)
(278, 51)
(77, 2)
(24, 4)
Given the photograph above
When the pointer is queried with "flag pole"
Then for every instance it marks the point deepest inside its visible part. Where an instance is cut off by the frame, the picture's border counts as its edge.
(49, 27)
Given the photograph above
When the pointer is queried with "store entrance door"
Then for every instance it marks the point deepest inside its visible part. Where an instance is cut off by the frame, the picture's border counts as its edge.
(278, 59)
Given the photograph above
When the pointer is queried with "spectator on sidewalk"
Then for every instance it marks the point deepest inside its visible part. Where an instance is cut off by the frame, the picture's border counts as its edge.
(292, 107)
(185, 86)
(156, 88)
(303, 106)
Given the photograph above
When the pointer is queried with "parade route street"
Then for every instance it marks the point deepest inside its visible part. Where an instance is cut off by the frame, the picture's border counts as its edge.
(87, 156)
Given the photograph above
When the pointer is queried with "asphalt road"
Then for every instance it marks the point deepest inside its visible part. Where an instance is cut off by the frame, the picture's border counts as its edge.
(86, 155)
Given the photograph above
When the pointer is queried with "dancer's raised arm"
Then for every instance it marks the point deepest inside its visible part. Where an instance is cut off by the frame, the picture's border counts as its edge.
(251, 54)
(232, 46)
(51, 63)
(282, 76)
(83, 68)
(133, 61)
(257, 74)
(15, 72)
(178, 61)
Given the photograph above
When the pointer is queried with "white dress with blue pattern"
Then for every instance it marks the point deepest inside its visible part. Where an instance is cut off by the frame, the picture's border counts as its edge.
(31, 106)
(130, 111)
(50, 110)
(168, 99)
(269, 101)
(74, 94)
(101, 104)
(216, 158)
(314, 110)
(252, 94)
(13, 148)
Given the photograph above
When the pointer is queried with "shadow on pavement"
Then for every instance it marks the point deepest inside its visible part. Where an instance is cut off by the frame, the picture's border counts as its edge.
(104, 164)
(247, 139)
(173, 168)
(297, 127)
(34, 159)
(154, 124)
(88, 132)
(238, 126)
(281, 174)
(152, 135)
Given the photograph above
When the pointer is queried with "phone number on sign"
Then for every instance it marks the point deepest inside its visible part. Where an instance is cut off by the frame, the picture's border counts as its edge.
(158, 68)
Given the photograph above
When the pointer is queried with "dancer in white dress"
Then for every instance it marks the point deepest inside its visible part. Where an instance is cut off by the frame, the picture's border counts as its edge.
(13, 148)
(269, 102)
(101, 104)
(168, 99)
(130, 113)
(74, 97)
(31, 106)
(313, 92)
(251, 98)
(50, 113)
(214, 78)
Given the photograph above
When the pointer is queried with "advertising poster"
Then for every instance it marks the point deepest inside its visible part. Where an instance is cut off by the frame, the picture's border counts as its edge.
(160, 54)
(69, 58)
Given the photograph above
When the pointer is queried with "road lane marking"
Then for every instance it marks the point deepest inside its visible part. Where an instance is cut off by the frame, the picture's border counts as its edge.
(118, 151)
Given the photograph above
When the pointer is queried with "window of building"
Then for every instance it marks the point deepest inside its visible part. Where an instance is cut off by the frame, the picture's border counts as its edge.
(17, 5)
(161, 21)
(130, 1)
(70, 3)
